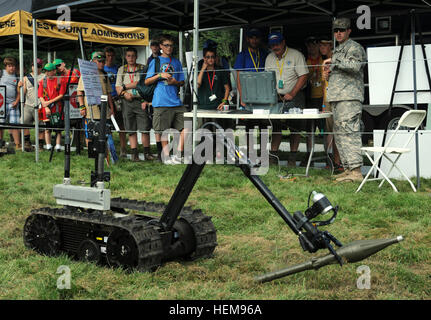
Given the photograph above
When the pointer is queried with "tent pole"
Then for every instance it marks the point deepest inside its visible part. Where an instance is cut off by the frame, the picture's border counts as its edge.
(181, 52)
(36, 85)
(195, 65)
(413, 40)
(21, 78)
(238, 98)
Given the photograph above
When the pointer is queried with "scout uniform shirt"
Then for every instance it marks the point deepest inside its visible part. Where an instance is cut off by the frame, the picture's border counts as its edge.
(128, 75)
(346, 80)
(29, 96)
(106, 89)
(289, 68)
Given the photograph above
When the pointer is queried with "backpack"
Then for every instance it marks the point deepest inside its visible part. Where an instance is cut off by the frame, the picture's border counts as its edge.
(147, 92)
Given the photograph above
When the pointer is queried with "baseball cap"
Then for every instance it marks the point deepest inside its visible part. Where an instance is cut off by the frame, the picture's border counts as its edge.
(99, 55)
(210, 44)
(325, 39)
(254, 32)
(311, 39)
(341, 23)
(39, 62)
(57, 62)
(275, 38)
(49, 67)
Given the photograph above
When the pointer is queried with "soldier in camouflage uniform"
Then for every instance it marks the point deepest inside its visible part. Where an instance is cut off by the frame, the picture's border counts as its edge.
(345, 95)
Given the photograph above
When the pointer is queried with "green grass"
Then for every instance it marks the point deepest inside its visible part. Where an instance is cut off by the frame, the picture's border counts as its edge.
(252, 238)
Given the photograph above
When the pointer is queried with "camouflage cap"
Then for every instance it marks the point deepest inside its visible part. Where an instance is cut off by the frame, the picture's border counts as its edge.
(341, 23)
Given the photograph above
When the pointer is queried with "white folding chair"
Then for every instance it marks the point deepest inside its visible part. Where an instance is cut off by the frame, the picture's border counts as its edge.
(411, 119)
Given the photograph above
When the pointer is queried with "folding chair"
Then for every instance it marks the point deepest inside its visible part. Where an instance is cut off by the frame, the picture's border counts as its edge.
(410, 119)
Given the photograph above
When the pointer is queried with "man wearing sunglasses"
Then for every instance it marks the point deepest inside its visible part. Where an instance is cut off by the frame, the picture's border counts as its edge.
(62, 71)
(345, 73)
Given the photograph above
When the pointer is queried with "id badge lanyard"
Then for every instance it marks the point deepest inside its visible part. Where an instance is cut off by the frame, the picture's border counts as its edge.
(256, 66)
(280, 69)
(211, 84)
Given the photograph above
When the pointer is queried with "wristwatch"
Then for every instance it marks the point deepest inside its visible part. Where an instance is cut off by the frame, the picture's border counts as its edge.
(124, 87)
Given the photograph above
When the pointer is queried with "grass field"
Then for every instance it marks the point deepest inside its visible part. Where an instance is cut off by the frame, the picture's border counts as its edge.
(252, 238)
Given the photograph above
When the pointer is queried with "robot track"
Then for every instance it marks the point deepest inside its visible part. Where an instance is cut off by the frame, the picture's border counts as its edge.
(120, 239)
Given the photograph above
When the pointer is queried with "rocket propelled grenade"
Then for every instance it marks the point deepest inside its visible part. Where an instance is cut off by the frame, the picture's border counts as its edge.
(352, 252)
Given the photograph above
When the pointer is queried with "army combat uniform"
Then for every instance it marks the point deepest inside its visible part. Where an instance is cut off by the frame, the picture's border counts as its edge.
(345, 95)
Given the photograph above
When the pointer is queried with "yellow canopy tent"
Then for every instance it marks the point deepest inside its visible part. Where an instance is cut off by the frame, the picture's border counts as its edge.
(20, 22)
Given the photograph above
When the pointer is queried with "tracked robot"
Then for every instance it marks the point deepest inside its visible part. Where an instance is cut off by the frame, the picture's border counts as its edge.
(94, 227)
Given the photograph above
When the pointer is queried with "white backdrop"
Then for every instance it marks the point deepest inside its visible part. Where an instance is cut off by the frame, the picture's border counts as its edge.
(382, 65)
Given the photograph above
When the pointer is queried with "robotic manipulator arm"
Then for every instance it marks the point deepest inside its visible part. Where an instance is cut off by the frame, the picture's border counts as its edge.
(311, 238)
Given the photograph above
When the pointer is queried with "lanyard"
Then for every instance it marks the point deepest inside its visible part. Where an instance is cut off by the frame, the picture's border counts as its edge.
(132, 79)
(257, 57)
(280, 69)
(211, 83)
(167, 68)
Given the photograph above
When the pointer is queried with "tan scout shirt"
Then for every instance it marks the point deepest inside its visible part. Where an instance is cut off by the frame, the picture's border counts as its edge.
(29, 95)
(128, 75)
(106, 89)
(289, 68)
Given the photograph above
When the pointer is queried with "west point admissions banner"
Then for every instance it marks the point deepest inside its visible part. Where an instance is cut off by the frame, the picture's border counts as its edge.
(20, 22)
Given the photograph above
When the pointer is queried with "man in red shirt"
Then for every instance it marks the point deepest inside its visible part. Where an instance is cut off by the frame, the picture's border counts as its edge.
(64, 72)
(51, 92)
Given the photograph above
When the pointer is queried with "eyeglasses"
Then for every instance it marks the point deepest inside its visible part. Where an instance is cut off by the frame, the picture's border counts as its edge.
(210, 57)
(99, 58)
(168, 45)
(339, 30)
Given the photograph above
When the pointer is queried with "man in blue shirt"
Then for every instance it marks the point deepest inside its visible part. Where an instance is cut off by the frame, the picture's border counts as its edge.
(112, 69)
(252, 59)
(168, 108)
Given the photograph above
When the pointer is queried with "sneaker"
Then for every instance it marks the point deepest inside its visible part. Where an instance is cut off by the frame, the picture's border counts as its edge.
(173, 160)
(149, 157)
(28, 147)
(57, 148)
(48, 147)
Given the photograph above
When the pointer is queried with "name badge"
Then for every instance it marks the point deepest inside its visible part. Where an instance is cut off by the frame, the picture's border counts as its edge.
(280, 84)
(213, 97)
